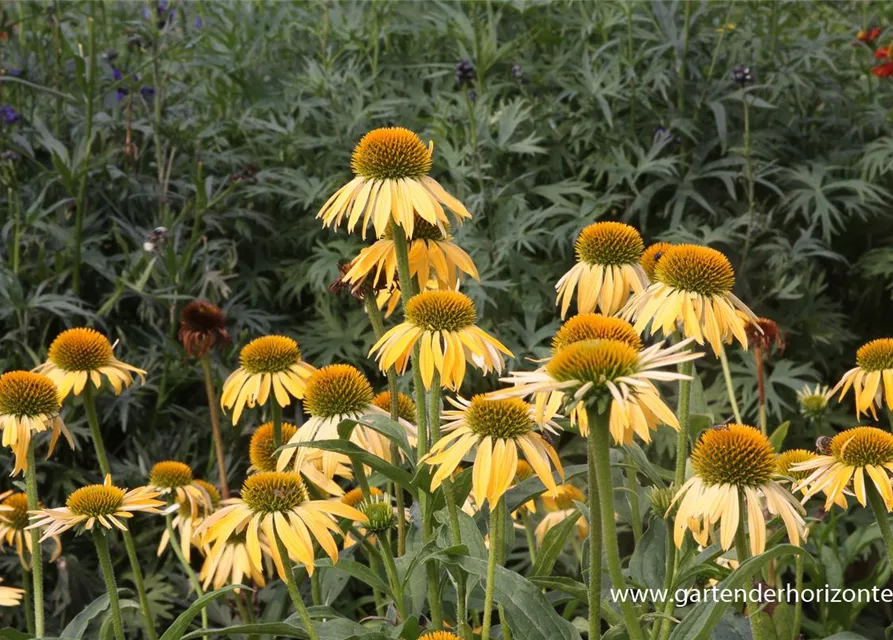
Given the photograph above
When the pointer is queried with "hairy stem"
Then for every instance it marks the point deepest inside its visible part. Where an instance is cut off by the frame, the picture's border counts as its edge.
(95, 432)
(174, 542)
(293, 590)
(495, 515)
(595, 528)
(215, 425)
(730, 388)
(36, 559)
(108, 573)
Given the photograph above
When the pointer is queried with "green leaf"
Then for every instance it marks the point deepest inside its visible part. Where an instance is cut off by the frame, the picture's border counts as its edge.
(8, 633)
(571, 587)
(390, 429)
(642, 464)
(698, 624)
(778, 436)
(432, 551)
(471, 536)
(533, 487)
(281, 629)
(78, 625)
(356, 570)
(554, 543)
(355, 453)
(528, 613)
(647, 566)
(178, 628)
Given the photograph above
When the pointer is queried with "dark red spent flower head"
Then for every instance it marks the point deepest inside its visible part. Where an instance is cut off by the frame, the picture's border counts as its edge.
(883, 70)
(868, 35)
(202, 327)
(764, 333)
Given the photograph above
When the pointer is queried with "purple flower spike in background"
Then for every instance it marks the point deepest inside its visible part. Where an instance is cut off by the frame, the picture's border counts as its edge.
(9, 115)
(148, 92)
(164, 16)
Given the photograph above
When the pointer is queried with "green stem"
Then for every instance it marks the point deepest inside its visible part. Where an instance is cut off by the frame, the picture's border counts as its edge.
(390, 568)
(600, 449)
(80, 202)
(27, 602)
(680, 81)
(215, 425)
(669, 607)
(595, 529)
(881, 515)
(529, 533)
(500, 560)
(495, 515)
(293, 590)
(174, 542)
(315, 590)
(748, 157)
(140, 584)
(95, 432)
(36, 559)
(686, 368)
(798, 604)
(730, 389)
(105, 561)
(632, 483)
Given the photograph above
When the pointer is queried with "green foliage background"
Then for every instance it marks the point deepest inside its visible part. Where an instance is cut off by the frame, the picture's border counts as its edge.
(614, 110)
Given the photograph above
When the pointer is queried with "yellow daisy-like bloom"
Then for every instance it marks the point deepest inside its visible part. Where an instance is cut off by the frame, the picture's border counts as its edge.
(874, 365)
(733, 463)
(184, 522)
(439, 635)
(494, 429)
(14, 521)
(851, 455)
(267, 363)
(692, 290)
(391, 182)
(813, 400)
(263, 458)
(233, 563)
(559, 509)
(443, 323)
(275, 504)
(594, 326)
(176, 480)
(612, 369)
(651, 256)
(29, 403)
(10, 596)
(79, 354)
(406, 408)
(336, 393)
(784, 466)
(607, 269)
(106, 504)
(432, 255)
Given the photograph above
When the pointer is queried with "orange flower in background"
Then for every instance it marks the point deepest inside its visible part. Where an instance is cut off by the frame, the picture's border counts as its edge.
(868, 35)
(886, 69)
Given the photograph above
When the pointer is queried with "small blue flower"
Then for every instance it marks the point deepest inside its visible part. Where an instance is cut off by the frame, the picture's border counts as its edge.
(14, 72)
(148, 92)
(116, 74)
(120, 94)
(199, 23)
(163, 15)
(9, 115)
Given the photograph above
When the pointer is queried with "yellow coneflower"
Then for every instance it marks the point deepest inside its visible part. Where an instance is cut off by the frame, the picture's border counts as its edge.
(14, 521)
(650, 257)
(391, 182)
(494, 429)
(105, 504)
(276, 505)
(874, 365)
(202, 327)
(559, 509)
(175, 479)
(406, 408)
(79, 354)
(336, 393)
(813, 401)
(262, 454)
(734, 465)
(851, 455)
(29, 403)
(439, 635)
(784, 466)
(270, 363)
(692, 290)
(610, 369)
(10, 596)
(607, 269)
(594, 326)
(185, 523)
(432, 255)
(233, 563)
(443, 323)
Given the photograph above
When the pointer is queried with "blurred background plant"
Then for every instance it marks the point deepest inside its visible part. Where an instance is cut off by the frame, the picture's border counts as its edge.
(154, 153)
